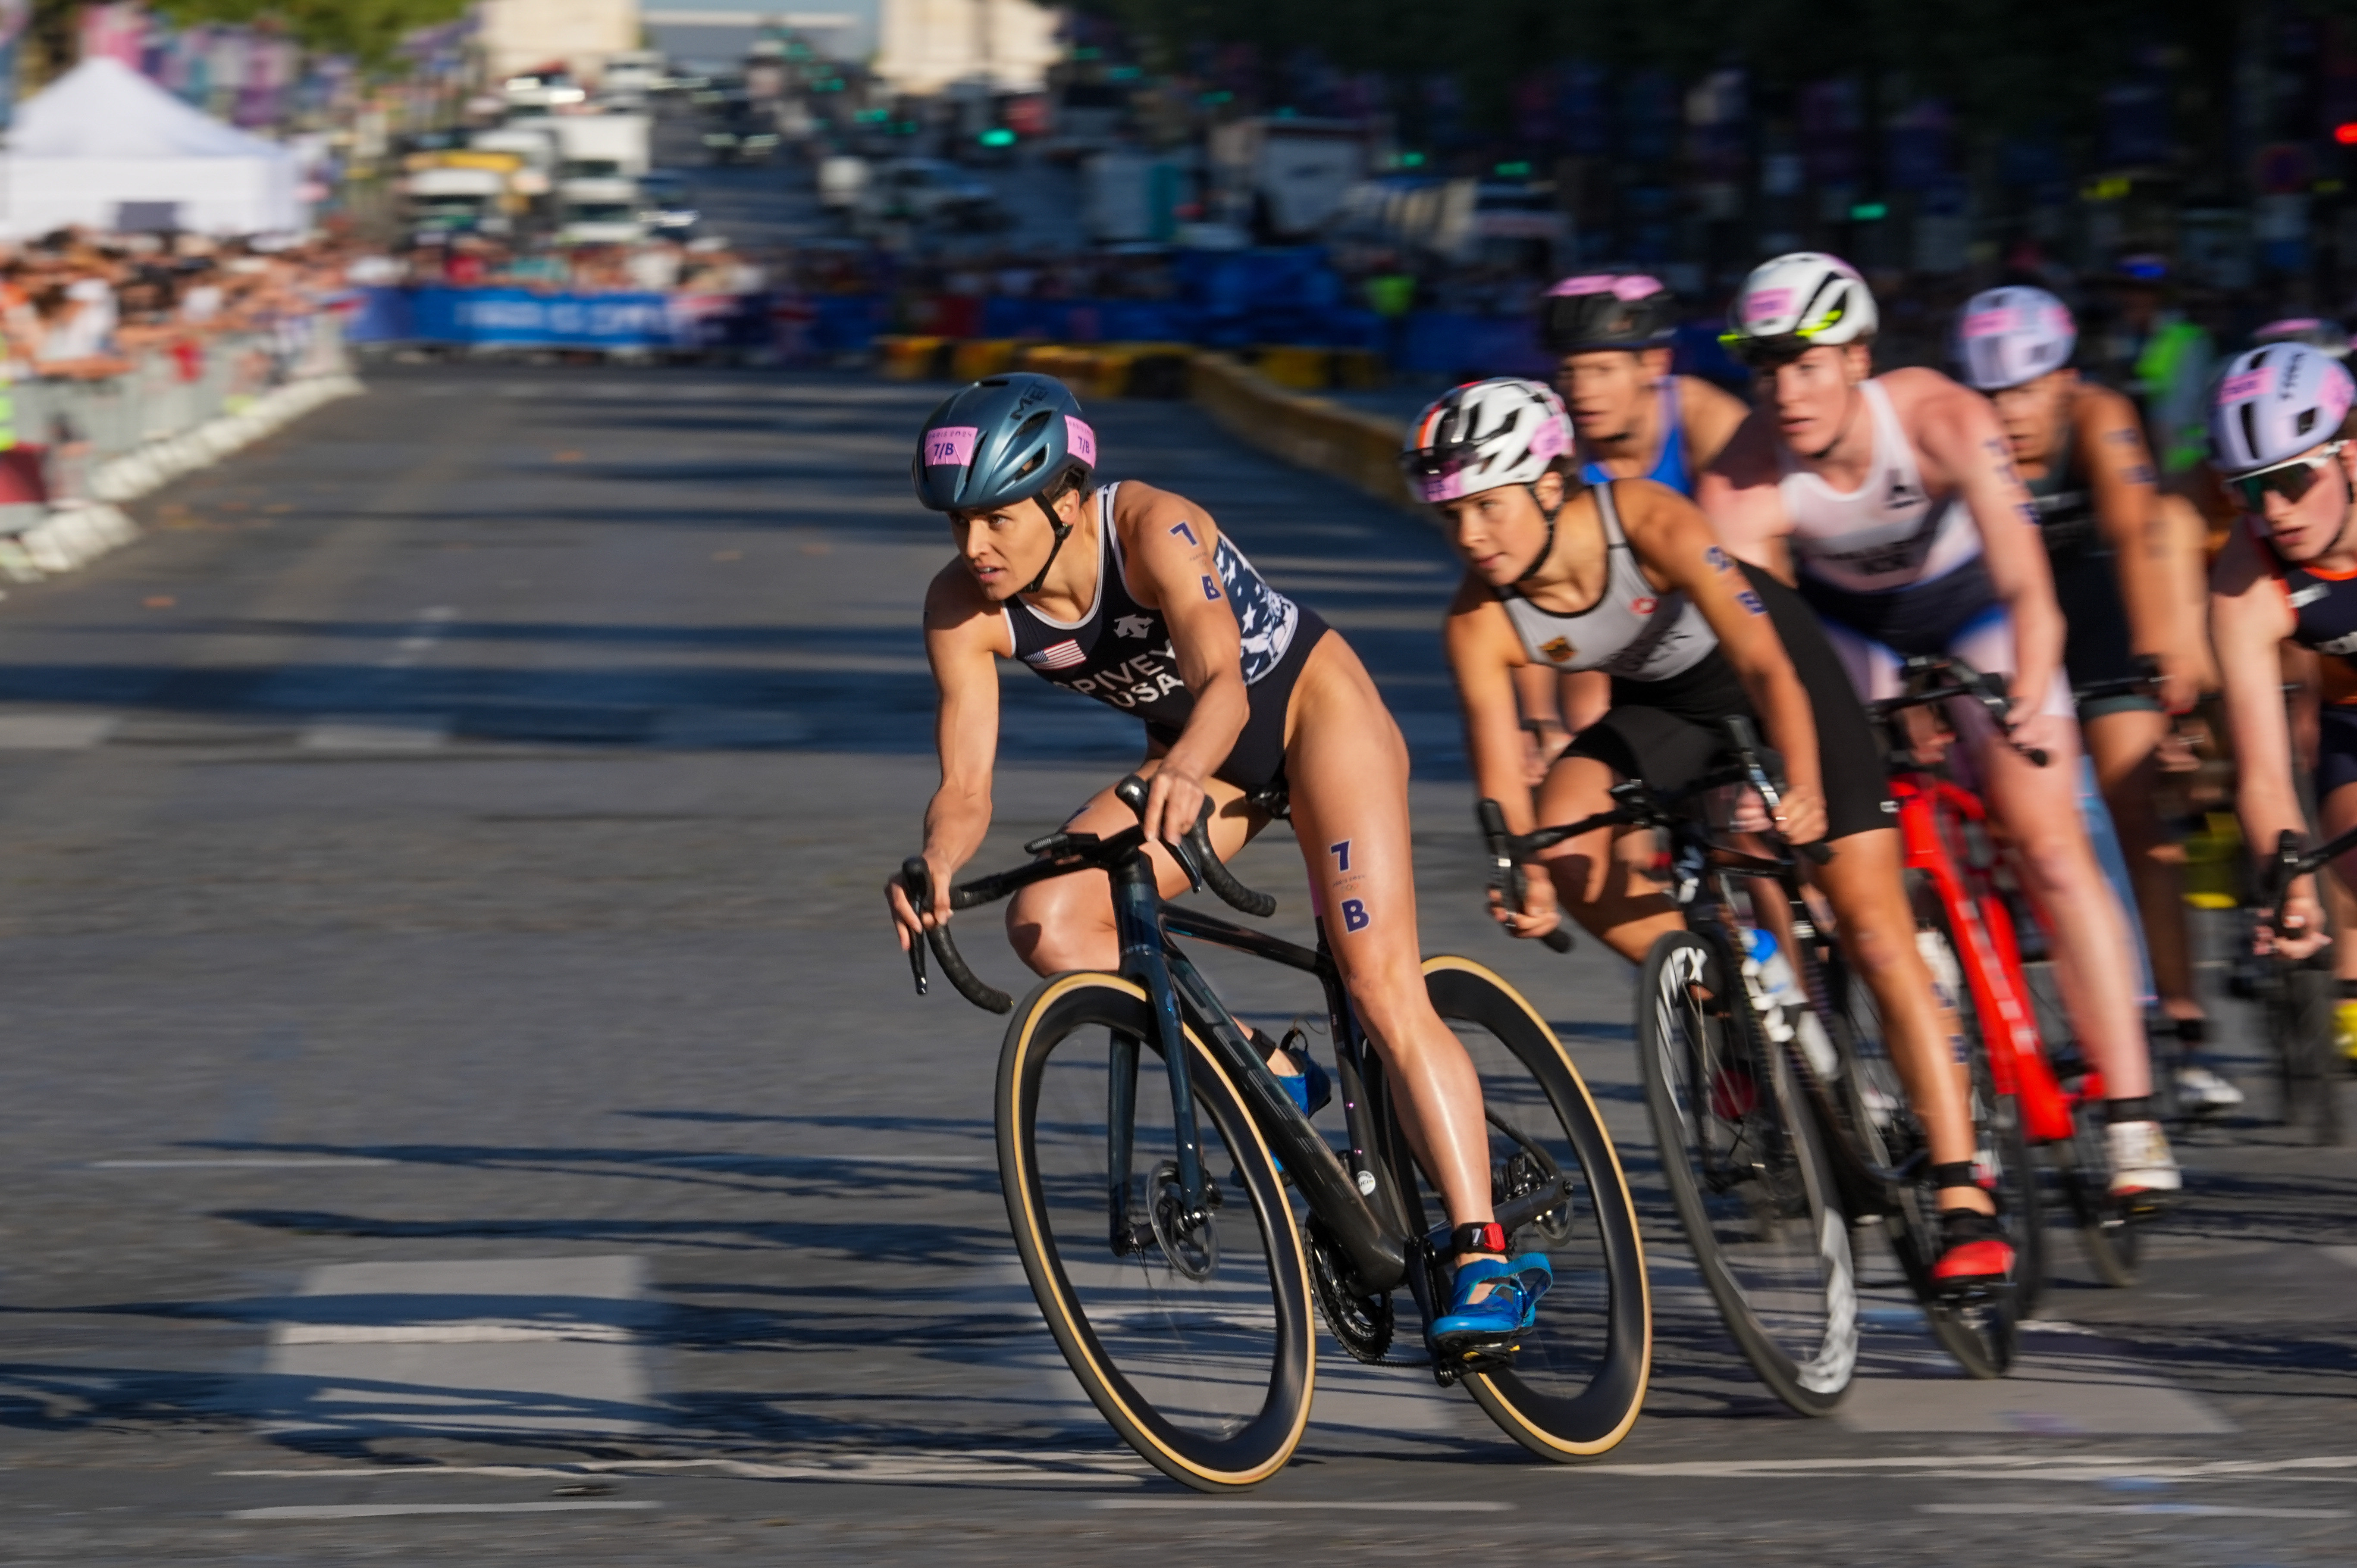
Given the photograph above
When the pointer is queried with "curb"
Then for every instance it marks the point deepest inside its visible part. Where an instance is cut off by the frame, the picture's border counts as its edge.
(1265, 404)
(74, 533)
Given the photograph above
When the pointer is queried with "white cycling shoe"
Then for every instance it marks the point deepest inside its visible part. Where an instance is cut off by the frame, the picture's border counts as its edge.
(2142, 1165)
(2204, 1094)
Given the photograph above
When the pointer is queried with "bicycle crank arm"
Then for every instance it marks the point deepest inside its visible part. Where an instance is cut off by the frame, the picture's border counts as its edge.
(1512, 1214)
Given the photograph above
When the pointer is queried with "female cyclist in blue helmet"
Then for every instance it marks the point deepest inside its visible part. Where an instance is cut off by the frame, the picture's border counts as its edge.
(1133, 596)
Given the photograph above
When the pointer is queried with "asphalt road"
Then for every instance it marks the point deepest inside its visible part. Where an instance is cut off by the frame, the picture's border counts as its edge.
(463, 1103)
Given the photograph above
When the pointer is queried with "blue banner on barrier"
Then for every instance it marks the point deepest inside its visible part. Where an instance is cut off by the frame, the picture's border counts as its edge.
(517, 317)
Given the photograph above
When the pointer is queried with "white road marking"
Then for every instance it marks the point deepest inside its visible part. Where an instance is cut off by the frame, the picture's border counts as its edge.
(2346, 1254)
(424, 633)
(56, 732)
(327, 1164)
(382, 1510)
(540, 1344)
(1355, 1505)
(1085, 1467)
(423, 732)
(489, 1333)
(1980, 1466)
(2198, 1510)
(726, 1160)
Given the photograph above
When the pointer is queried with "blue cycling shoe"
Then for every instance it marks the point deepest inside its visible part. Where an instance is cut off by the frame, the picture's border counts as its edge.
(1308, 1084)
(1472, 1328)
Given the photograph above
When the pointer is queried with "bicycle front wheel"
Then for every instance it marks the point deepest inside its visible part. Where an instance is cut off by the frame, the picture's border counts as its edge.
(1747, 1173)
(2300, 1004)
(1193, 1340)
(1578, 1375)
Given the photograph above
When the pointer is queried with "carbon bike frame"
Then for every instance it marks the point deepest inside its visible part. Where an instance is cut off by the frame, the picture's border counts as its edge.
(1990, 955)
(1361, 1205)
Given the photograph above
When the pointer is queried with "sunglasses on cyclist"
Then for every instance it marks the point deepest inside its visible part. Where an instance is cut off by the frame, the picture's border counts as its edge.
(2290, 480)
(1758, 353)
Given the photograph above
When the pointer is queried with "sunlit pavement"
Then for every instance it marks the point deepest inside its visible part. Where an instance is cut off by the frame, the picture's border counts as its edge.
(464, 1105)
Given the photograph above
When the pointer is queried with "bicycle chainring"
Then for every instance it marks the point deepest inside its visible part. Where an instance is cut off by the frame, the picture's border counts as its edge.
(1362, 1324)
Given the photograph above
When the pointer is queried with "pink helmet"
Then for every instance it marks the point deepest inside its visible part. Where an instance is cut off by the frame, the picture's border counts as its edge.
(2275, 402)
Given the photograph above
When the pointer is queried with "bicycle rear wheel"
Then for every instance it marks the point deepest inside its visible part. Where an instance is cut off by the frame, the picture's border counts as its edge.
(2083, 1162)
(1578, 1375)
(2300, 1007)
(1742, 1155)
(1194, 1343)
(1977, 1330)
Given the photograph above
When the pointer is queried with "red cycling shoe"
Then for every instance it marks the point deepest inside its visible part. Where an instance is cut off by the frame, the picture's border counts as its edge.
(1975, 1251)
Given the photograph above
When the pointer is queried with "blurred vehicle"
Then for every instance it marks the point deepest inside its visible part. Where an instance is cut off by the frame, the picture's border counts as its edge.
(933, 192)
(1130, 196)
(738, 131)
(631, 77)
(601, 212)
(666, 205)
(532, 146)
(842, 182)
(1285, 176)
(1515, 226)
(603, 146)
(441, 199)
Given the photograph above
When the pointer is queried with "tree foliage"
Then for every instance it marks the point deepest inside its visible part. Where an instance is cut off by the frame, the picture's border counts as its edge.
(368, 30)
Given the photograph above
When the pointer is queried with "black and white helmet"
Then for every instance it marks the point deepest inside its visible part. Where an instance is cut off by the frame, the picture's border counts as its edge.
(1484, 434)
(2008, 336)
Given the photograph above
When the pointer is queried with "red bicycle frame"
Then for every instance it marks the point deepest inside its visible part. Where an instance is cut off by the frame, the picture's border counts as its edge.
(1935, 815)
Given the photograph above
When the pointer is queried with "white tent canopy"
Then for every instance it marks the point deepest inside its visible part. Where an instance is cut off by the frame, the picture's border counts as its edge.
(102, 138)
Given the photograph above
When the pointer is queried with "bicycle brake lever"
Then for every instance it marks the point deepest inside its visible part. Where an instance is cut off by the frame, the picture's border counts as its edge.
(917, 881)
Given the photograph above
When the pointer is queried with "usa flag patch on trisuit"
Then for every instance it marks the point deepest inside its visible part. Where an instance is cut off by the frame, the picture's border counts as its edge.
(1062, 656)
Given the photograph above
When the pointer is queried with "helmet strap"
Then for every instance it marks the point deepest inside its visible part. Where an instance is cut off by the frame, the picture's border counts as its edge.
(1064, 532)
(1546, 551)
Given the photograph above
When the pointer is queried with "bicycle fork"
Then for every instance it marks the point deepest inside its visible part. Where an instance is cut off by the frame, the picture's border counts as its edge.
(1142, 960)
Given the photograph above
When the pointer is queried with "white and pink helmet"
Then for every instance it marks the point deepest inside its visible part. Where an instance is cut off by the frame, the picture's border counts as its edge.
(1484, 434)
(2274, 403)
(2008, 336)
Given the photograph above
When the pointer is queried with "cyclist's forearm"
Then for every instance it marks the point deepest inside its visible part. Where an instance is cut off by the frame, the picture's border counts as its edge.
(1221, 707)
(955, 823)
(1792, 727)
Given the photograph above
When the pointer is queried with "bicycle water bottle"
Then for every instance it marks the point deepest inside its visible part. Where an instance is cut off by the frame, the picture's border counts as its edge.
(1767, 962)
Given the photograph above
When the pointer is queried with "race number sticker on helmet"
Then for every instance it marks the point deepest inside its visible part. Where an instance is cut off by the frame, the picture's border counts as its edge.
(1081, 440)
(951, 445)
(2274, 403)
(2008, 336)
(1806, 298)
(1484, 434)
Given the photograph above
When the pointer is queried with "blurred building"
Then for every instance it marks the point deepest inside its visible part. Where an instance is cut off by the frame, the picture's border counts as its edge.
(519, 35)
(929, 44)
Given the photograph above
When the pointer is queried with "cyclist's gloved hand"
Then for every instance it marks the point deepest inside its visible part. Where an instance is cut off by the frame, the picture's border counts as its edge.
(906, 922)
(2297, 928)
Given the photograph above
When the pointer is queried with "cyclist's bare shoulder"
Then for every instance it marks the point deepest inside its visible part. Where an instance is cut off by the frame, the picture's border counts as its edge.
(1710, 415)
(2245, 579)
(958, 614)
(1659, 521)
(1926, 401)
(1478, 626)
(1749, 460)
(1741, 494)
(1141, 511)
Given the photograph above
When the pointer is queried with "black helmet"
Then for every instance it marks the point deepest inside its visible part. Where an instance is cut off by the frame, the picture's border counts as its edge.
(1001, 440)
(1607, 310)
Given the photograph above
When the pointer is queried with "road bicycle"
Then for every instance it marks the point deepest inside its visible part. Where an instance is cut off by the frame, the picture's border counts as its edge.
(2299, 998)
(1779, 1124)
(1964, 922)
(1154, 1211)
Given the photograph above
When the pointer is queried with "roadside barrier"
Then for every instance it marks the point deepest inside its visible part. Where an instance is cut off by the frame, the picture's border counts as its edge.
(1265, 403)
(83, 448)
